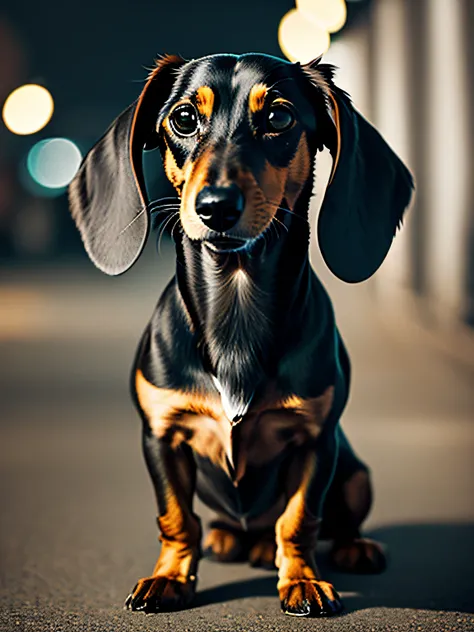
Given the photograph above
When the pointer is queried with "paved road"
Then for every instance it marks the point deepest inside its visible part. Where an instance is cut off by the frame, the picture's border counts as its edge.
(77, 522)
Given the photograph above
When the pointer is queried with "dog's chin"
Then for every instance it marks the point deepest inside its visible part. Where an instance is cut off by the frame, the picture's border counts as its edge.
(226, 243)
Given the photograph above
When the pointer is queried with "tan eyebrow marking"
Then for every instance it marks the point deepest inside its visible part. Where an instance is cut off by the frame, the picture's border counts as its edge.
(205, 101)
(257, 97)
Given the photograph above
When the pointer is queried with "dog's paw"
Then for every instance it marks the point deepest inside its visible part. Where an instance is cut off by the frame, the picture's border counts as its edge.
(161, 594)
(360, 556)
(309, 598)
(222, 545)
(262, 554)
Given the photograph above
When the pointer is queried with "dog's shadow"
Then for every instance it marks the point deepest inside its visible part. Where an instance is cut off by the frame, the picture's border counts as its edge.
(431, 566)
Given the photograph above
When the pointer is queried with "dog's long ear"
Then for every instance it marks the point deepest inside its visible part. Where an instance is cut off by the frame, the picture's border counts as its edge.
(107, 196)
(368, 191)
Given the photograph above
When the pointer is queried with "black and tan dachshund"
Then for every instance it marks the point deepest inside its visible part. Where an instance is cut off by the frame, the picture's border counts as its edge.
(241, 376)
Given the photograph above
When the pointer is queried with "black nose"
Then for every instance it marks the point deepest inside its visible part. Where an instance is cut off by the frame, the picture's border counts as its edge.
(220, 208)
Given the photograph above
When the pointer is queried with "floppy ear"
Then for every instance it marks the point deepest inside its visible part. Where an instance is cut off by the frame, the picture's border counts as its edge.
(368, 191)
(108, 196)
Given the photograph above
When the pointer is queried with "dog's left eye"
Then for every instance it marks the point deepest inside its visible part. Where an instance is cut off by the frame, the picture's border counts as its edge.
(280, 118)
(184, 120)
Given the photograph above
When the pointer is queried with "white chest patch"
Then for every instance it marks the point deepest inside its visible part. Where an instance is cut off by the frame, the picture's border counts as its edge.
(233, 412)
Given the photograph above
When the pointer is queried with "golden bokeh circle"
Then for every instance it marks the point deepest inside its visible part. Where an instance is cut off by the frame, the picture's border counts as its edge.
(28, 109)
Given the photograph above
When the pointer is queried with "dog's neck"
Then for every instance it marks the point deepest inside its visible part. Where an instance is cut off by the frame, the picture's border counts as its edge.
(241, 305)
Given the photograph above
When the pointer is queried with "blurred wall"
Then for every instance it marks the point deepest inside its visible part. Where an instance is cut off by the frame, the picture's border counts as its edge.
(423, 103)
(410, 69)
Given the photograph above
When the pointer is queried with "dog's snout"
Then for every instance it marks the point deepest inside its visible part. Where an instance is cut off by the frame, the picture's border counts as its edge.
(220, 208)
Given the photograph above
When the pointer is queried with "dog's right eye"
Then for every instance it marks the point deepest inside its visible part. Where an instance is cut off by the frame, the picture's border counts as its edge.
(184, 120)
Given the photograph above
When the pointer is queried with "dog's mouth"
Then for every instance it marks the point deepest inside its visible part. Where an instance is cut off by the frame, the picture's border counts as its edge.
(225, 243)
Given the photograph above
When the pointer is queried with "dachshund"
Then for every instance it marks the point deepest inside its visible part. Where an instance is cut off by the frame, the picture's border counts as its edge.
(241, 376)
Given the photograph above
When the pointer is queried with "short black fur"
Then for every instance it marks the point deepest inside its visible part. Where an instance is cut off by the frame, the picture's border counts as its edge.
(236, 320)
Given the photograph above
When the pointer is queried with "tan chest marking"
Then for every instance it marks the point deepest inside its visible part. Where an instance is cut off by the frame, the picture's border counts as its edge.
(187, 417)
(199, 420)
(269, 428)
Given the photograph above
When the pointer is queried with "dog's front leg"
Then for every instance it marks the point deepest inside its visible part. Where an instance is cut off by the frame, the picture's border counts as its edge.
(173, 583)
(301, 590)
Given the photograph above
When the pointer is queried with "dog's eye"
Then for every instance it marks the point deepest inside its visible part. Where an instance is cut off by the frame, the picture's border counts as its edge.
(184, 120)
(280, 118)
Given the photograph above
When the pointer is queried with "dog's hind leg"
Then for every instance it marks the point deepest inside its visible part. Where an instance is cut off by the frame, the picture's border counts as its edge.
(263, 550)
(347, 505)
(226, 543)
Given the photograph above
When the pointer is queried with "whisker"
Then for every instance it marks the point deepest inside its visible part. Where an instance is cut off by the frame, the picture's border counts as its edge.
(266, 242)
(152, 207)
(287, 210)
(173, 229)
(157, 221)
(274, 227)
(281, 224)
(283, 208)
(163, 228)
(165, 207)
(174, 199)
(159, 204)
(167, 197)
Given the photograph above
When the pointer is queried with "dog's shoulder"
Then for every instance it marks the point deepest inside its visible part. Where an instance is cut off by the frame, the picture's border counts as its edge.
(168, 355)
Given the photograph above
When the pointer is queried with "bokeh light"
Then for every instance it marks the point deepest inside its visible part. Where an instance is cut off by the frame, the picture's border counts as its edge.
(53, 162)
(301, 39)
(330, 15)
(28, 109)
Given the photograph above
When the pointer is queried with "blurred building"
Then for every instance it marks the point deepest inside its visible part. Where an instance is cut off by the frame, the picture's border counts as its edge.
(410, 69)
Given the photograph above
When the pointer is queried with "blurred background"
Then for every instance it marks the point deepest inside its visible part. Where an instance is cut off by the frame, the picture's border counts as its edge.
(78, 507)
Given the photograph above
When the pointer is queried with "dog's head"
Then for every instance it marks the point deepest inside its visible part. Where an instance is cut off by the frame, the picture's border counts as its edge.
(238, 137)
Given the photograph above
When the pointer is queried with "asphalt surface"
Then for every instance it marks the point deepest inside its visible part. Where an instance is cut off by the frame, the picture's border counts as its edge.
(77, 524)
